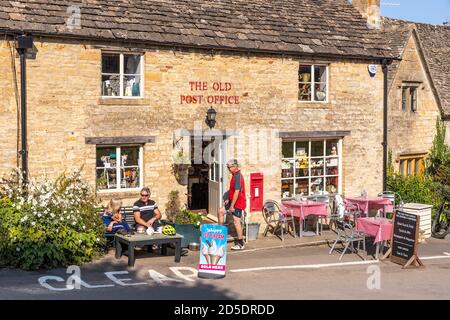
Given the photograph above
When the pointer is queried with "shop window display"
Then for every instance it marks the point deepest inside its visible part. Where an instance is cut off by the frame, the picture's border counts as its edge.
(312, 168)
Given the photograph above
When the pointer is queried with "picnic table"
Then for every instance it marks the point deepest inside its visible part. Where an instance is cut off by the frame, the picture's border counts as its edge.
(368, 203)
(131, 241)
(303, 209)
(379, 228)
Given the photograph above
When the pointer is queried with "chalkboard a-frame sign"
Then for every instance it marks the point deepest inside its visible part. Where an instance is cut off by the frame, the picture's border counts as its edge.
(404, 240)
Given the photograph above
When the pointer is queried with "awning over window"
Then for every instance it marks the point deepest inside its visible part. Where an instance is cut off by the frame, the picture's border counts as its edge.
(313, 134)
(120, 140)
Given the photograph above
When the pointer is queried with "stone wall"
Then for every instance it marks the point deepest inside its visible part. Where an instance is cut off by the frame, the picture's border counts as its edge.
(411, 132)
(65, 107)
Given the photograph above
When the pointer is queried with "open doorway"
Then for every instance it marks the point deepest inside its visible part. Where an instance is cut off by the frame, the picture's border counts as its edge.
(198, 180)
(206, 178)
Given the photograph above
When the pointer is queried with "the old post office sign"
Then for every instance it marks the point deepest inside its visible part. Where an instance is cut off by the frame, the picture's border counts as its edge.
(212, 93)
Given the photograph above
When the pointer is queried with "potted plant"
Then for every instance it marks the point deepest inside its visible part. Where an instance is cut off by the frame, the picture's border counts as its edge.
(185, 222)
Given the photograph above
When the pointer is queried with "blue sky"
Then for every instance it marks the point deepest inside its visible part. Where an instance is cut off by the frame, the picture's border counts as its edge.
(428, 11)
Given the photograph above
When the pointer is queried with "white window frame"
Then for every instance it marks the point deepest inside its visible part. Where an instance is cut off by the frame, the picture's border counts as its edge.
(310, 177)
(118, 166)
(313, 83)
(122, 76)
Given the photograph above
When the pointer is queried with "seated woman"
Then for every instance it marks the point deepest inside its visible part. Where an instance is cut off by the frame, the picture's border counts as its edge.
(113, 219)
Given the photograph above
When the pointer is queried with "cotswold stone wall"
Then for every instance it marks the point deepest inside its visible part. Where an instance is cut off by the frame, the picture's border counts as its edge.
(65, 107)
(411, 132)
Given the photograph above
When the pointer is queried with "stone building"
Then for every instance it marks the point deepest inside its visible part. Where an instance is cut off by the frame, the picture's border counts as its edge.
(110, 85)
(419, 90)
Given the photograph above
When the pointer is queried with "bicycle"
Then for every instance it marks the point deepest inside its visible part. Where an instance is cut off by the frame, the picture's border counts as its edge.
(440, 226)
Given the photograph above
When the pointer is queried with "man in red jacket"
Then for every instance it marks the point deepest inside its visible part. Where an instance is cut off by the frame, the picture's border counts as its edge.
(236, 202)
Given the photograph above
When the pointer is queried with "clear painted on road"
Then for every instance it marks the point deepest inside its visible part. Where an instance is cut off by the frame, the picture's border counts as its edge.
(155, 276)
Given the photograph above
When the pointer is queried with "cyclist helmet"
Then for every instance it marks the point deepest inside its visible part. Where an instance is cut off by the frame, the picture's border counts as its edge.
(168, 230)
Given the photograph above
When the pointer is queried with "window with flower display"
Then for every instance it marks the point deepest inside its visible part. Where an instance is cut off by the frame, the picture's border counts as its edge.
(310, 166)
(119, 168)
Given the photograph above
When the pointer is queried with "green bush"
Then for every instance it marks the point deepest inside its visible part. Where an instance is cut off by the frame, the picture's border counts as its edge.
(188, 217)
(416, 189)
(55, 225)
(439, 153)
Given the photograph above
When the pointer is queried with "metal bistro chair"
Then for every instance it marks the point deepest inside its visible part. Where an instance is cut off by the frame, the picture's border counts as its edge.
(391, 195)
(276, 218)
(347, 235)
(323, 199)
(342, 209)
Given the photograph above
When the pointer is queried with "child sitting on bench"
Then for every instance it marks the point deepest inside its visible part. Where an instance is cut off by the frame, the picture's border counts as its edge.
(113, 219)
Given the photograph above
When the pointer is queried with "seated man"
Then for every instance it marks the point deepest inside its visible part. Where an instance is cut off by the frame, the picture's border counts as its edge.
(146, 212)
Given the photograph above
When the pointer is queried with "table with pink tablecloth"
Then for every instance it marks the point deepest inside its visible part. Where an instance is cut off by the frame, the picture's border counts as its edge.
(379, 228)
(377, 203)
(302, 209)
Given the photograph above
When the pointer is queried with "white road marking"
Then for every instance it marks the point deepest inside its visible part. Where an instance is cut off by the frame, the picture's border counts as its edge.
(303, 245)
(447, 256)
(329, 265)
(308, 266)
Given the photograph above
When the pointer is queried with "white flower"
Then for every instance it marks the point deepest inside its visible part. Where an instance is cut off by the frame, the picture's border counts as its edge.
(79, 241)
(97, 240)
(33, 223)
(17, 249)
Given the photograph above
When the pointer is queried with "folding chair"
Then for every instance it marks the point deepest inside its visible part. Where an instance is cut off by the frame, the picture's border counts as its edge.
(348, 235)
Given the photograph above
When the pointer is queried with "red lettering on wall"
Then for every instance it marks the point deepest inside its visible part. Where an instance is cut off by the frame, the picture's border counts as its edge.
(218, 98)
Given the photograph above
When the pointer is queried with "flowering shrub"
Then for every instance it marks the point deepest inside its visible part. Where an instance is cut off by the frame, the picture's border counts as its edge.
(54, 225)
(188, 217)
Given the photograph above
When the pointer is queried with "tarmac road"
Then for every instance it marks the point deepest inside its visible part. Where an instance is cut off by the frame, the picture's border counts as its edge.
(283, 273)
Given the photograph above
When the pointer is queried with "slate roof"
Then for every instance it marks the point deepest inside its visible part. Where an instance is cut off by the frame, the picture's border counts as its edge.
(434, 41)
(318, 27)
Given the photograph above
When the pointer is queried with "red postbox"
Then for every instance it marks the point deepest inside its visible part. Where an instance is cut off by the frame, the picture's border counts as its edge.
(256, 191)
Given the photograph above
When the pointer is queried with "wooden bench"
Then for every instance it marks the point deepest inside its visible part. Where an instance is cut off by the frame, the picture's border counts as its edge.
(131, 241)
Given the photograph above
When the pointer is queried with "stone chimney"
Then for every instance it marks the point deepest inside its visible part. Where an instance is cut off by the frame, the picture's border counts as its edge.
(369, 9)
